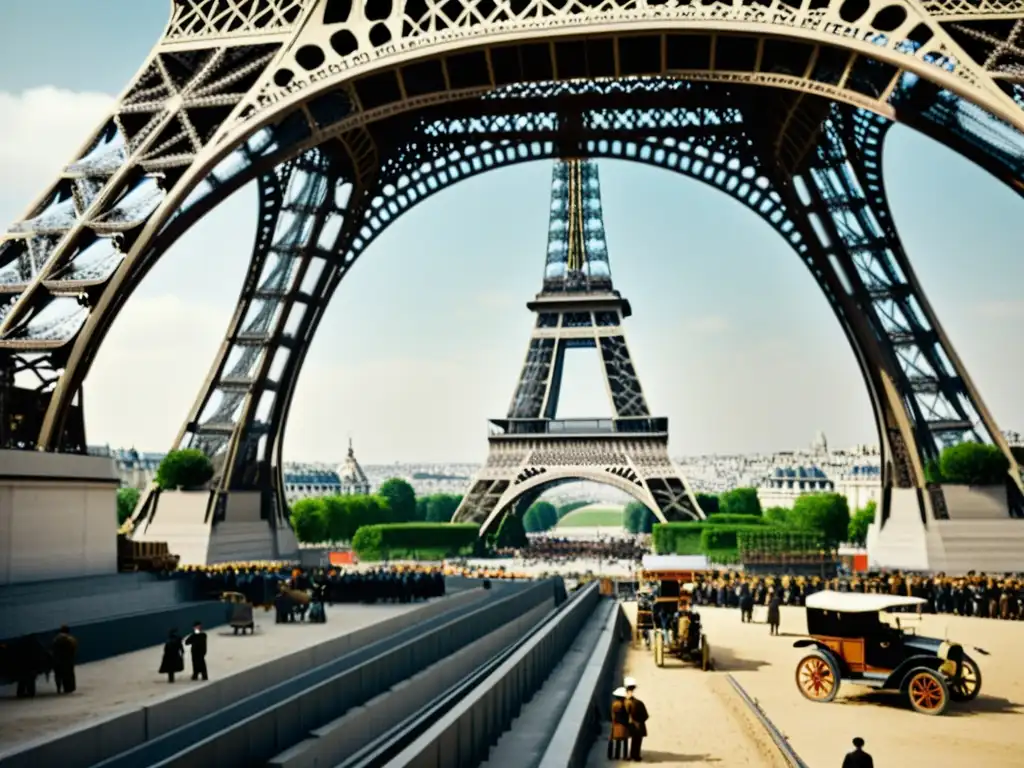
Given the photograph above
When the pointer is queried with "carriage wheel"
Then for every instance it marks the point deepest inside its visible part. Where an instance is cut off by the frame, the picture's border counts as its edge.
(659, 649)
(969, 685)
(816, 678)
(928, 692)
(705, 654)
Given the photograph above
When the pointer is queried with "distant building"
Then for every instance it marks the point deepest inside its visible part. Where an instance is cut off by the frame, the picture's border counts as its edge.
(353, 479)
(136, 470)
(785, 484)
(304, 481)
(860, 484)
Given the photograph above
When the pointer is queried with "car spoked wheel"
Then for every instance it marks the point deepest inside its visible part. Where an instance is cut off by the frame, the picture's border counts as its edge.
(968, 686)
(928, 692)
(816, 678)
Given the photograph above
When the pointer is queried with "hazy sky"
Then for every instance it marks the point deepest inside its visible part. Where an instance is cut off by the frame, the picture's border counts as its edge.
(424, 339)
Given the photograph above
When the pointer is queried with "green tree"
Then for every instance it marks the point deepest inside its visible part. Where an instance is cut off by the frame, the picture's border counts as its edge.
(401, 499)
(338, 522)
(740, 501)
(545, 514)
(531, 520)
(824, 513)
(441, 507)
(637, 518)
(511, 534)
(777, 516)
(973, 464)
(858, 528)
(308, 521)
(708, 503)
(127, 498)
(421, 509)
(189, 469)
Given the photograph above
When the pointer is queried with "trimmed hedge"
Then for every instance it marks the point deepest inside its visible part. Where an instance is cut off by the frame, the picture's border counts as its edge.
(725, 518)
(704, 537)
(374, 542)
(721, 537)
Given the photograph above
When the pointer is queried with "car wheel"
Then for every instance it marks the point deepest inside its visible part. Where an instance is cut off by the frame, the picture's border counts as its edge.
(969, 685)
(927, 691)
(817, 677)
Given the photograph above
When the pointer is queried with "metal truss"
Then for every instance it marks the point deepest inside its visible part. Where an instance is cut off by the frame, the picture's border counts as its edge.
(517, 472)
(392, 91)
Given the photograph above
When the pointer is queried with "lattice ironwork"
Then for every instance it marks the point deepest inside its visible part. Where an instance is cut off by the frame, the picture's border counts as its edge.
(407, 98)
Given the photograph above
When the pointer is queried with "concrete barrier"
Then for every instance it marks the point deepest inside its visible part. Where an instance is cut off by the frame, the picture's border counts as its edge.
(94, 742)
(581, 721)
(465, 734)
(346, 735)
(255, 739)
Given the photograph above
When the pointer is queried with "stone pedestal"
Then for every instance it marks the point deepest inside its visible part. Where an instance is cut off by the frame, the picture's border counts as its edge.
(184, 519)
(979, 534)
(58, 516)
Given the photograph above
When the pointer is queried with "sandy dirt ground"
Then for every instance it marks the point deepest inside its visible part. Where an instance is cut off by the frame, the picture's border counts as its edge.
(130, 681)
(986, 732)
(697, 719)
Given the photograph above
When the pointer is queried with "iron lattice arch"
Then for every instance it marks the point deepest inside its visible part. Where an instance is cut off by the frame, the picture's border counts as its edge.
(383, 103)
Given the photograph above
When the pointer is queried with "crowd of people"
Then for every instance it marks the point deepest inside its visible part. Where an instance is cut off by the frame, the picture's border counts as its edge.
(260, 583)
(551, 550)
(976, 594)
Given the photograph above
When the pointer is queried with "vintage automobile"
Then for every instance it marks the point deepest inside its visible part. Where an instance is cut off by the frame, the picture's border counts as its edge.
(849, 641)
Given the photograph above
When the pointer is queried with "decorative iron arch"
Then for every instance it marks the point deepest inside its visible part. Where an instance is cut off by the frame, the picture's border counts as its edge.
(215, 81)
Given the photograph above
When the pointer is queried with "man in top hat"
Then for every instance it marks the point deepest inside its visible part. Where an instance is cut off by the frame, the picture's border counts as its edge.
(637, 719)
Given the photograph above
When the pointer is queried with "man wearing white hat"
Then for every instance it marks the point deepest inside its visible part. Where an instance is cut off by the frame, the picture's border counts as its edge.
(618, 740)
(637, 719)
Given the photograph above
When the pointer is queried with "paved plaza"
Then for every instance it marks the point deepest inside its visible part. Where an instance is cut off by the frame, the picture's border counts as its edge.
(131, 681)
(695, 721)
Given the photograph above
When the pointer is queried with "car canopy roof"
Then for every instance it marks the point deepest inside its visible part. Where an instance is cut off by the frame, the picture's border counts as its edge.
(856, 602)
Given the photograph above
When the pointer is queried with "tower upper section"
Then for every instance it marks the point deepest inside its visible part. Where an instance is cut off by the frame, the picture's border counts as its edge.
(577, 259)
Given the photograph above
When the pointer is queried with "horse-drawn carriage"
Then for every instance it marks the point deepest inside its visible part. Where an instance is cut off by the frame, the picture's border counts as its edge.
(666, 620)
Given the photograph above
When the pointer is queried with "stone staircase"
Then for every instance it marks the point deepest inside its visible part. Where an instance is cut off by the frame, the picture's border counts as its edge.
(990, 545)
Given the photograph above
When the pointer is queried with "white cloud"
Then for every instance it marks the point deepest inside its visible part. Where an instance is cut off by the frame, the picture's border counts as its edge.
(40, 132)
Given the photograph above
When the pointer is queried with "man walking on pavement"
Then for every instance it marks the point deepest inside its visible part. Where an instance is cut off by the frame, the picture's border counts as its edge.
(63, 649)
(858, 758)
(637, 719)
(197, 641)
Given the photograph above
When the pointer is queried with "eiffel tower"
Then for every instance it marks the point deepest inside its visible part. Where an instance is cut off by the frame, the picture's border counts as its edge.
(531, 451)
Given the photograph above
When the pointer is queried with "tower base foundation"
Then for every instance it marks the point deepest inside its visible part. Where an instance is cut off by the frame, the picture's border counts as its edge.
(979, 535)
(183, 519)
(58, 516)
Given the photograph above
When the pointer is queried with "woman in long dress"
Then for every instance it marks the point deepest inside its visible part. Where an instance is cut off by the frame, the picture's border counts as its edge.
(174, 656)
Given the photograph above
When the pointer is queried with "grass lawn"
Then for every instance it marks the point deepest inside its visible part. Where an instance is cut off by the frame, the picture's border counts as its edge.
(593, 517)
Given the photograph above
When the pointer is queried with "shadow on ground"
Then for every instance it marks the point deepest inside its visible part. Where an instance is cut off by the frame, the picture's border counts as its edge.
(675, 757)
(727, 661)
(983, 705)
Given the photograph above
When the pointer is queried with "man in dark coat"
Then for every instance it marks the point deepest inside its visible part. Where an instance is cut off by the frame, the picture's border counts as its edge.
(64, 648)
(774, 612)
(858, 758)
(197, 642)
(637, 719)
(173, 660)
